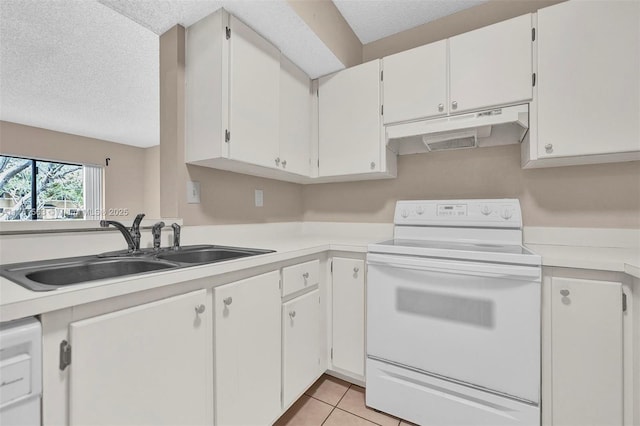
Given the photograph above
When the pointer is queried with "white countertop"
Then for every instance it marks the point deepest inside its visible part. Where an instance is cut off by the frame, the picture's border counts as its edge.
(18, 302)
(616, 259)
(290, 240)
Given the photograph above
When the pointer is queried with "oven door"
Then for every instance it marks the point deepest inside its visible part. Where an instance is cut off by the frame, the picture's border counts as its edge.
(473, 323)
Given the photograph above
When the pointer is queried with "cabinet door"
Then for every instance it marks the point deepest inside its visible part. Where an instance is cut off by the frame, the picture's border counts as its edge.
(586, 345)
(300, 344)
(348, 315)
(350, 128)
(415, 83)
(491, 66)
(254, 80)
(588, 91)
(147, 365)
(247, 351)
(295, 119)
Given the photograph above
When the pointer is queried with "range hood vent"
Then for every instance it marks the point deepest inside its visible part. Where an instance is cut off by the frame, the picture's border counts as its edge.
(501, 126)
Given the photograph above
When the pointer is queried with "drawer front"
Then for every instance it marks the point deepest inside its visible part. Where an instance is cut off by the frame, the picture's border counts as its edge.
(16, 378)
(299, 277)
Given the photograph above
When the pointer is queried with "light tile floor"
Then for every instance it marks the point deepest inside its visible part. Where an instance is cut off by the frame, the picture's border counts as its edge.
(334, 402)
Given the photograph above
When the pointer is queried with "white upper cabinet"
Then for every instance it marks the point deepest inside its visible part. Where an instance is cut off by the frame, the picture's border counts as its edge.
(491, 66)
(296, 100)
(350, 122)
(588, 92)
(254, 77)
(232, 94)
(485, 68)
(415, 83)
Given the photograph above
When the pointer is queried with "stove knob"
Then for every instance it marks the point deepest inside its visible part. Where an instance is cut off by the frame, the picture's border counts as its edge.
(420, 210)
(506, 214)
(404, 214)
(485, 210)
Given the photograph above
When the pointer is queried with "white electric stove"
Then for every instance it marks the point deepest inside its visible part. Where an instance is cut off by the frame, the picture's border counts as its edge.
(453, 316)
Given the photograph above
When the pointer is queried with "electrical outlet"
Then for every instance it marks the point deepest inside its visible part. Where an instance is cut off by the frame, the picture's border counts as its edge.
(193, 192)
(259, 198)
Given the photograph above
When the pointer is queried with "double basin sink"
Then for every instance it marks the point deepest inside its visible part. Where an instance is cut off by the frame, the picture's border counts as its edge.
(58, 273)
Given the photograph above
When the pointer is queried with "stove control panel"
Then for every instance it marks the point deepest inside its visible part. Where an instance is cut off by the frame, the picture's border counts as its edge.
(498, 213)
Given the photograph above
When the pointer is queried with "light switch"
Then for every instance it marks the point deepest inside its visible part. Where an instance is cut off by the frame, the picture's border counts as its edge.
(259, 198)
(193, 192)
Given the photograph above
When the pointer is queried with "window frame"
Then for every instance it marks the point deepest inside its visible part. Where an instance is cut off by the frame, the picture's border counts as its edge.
(91, 182)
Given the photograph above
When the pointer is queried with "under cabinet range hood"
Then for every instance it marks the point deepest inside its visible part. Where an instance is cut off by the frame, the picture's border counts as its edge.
(498, 126)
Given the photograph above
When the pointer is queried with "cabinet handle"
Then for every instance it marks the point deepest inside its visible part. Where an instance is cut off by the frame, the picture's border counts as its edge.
(440, 107)
(454, 104)
(284, 163)
(278, 161)
(564, 292)
(549, 148)
(305, 275)
(292, 314)
(228, 300)
(356, 270)
(200, 309)
(373, 165)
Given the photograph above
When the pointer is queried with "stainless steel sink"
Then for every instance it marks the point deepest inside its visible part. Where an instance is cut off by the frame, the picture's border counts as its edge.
(97, 270)
(59, 273)
(207, 255)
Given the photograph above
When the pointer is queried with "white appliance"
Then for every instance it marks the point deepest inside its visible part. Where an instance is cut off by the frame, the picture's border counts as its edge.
(20, 372)
(497, 126)
(453, 316)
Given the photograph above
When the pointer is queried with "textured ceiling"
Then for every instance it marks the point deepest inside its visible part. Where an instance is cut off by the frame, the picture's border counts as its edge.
(79, 67)
(91, 68)
(372, 20)
(275, 20)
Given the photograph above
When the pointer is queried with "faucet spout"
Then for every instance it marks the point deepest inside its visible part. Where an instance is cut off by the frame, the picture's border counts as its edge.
(124, 231)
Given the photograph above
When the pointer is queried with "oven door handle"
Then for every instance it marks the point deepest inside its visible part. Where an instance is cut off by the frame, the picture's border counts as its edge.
(493, 270)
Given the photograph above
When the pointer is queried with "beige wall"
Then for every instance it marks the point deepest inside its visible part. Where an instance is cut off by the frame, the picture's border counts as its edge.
(152, 182)
(466, 20)
(124, 177)
(225, 197)
(606, 195)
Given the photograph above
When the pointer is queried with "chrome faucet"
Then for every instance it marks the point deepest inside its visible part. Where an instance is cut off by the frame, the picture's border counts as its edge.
(176, 236)
(156, 231)
(132, 235)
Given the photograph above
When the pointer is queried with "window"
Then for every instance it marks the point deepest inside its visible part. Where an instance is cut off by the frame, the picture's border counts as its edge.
(44, 190)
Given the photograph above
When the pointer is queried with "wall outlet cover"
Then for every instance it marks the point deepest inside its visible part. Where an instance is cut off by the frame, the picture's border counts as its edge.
(259, 198)
(193, 192)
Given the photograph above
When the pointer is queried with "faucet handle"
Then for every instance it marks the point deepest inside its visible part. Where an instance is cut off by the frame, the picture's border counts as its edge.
(156, 232)
(176, 236)
(137, 220)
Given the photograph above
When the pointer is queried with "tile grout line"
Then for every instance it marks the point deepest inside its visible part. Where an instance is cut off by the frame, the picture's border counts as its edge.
(336, 406)
(357, 415)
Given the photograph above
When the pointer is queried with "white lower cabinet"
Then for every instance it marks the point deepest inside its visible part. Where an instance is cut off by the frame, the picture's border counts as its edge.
(300, 345)
(348, 316)
(146, 365)
(247, 351)
(586, 343)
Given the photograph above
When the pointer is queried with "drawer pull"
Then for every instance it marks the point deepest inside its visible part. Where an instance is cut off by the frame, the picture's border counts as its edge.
(305, 275)
(564, 292)
(292, 314)
(200, 309)
(227, 301)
